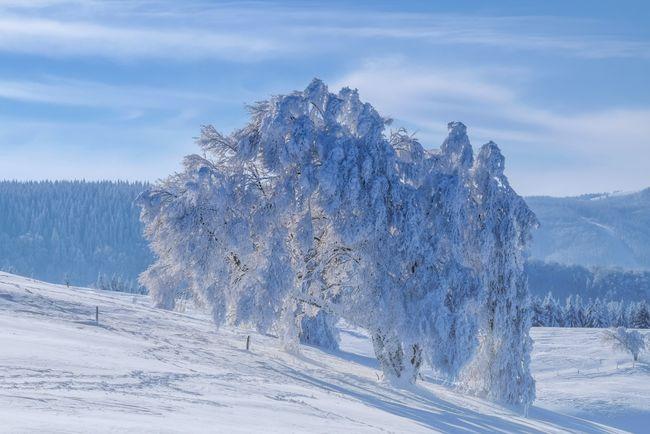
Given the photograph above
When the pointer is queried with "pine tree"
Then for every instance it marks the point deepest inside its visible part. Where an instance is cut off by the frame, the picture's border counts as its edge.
(639, 317)
(538, 313)
(616, 314)
(71, 231)
(597, 314)
(572, 312)
(551, 312)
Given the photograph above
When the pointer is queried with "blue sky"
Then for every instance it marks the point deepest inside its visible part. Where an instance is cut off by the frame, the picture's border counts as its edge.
(106, 90)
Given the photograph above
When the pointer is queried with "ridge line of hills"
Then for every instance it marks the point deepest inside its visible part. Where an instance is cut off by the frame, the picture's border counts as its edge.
(89, 233)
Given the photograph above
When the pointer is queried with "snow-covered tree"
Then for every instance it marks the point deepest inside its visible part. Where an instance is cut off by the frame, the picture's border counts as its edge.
(537, 319)
(639, 315)
(117, 283)
(504, 224)
(596, 314)
(573, 312)
(627, 340)
(616, 313)
(310, 214)
(552, 315)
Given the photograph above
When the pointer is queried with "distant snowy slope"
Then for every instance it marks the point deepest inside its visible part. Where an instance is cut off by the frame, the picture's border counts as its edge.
(577, 373)
(596, 229)
(148, 370)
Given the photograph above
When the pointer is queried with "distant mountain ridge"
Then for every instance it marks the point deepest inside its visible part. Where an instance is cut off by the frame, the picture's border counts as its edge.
(605, 230)
(608, 283)
(596, 245)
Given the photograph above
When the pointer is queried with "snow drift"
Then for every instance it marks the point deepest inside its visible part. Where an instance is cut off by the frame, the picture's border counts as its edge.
(311, 213)
(151, 370)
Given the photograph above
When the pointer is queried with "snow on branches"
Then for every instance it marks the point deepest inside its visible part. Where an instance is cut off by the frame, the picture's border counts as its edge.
(630, 341)
(310, 214)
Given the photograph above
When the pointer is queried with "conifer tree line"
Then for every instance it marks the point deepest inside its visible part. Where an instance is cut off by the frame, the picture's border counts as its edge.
(606, 283)
(89, 233)
(73, 232)
(548, 311)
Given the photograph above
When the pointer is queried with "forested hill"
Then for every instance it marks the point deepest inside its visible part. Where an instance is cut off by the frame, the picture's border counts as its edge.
(590, 282)
(77, 231)
(606, 230)
(72, 230)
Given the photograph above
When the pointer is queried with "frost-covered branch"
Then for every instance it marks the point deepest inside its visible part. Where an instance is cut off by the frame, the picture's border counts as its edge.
(630, 341)
(309, 214)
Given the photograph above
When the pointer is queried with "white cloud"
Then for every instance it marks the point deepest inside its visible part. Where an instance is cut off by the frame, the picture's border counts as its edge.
(484, 32)
(581, 147)
(250, 31)
(61, 91)
(56, 38)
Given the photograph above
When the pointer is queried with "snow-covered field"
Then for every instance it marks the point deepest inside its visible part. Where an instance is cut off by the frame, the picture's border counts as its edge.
(147, 370)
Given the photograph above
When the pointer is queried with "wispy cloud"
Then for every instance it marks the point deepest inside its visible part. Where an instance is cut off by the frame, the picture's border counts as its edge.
(595, 144)
(62, 91)
(56, 38)
(425, 92)
(141, 30)
(495, 73)
(488, 32)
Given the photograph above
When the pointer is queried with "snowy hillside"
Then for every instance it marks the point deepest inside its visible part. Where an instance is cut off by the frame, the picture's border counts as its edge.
(144, 369)
(594, 229)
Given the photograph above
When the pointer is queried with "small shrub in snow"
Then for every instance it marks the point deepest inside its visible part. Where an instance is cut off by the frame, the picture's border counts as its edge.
(118, 284)
(627, 340)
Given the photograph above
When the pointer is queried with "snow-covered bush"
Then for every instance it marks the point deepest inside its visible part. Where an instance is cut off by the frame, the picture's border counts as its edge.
(626, 340)
(117, 283)
(639, 315)
(310, 214)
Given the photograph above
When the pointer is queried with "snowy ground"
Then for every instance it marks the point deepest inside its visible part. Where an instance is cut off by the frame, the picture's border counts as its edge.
(143, 369)
(577, 373)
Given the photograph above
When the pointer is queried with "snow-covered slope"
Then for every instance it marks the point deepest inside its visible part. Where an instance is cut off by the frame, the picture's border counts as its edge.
(593, 230)
(577, 373)
(147, 370)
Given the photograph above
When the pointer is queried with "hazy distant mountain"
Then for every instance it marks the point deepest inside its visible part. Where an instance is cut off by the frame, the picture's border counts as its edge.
(77, 231)
(604, 282)
(611, 230)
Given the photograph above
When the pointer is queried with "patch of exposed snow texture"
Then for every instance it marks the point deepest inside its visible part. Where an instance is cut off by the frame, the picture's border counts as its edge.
(609, 229)
(151, 370)
(310, 214)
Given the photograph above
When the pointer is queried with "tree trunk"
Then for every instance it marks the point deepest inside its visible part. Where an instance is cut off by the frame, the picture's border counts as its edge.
(393, 361)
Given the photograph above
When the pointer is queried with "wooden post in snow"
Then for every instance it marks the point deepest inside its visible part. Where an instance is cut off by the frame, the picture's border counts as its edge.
(248, 343)
(97, 314)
